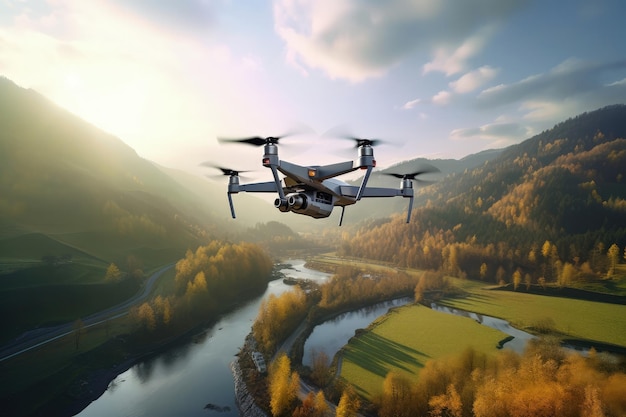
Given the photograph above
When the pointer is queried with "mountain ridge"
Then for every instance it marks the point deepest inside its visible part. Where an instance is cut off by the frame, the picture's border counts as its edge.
(564, 186)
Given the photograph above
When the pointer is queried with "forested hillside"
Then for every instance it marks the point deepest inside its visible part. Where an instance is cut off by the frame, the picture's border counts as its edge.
(81, 191)
(552, 208)
(381, 207)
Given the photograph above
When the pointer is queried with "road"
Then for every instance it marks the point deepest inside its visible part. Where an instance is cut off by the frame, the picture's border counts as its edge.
(33, 339)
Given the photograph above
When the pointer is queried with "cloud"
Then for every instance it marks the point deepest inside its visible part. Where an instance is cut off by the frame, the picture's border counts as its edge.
(442, 98)
(356, 40)
(499, 134)
(573, 86)
(411, 104)
(619, 83)
(568, 79)
(131, 77)
(473, 79)
(451, 61)
(180, 15)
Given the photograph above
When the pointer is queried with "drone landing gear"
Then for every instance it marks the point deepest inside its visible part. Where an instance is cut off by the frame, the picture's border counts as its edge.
(343, 209)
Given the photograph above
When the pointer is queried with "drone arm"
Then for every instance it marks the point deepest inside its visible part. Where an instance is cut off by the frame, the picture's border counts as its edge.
(278, 188)
(259, 187)
(364, 183)
(329, 171)
(372, 192)
(352, 191)
(230, 203)
(408, 214)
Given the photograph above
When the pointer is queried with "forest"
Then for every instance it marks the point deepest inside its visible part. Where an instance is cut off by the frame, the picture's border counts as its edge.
(551, 209)
(544, 380)
(207, 282)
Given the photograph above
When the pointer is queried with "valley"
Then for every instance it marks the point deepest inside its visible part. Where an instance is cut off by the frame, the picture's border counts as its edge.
(137, 269)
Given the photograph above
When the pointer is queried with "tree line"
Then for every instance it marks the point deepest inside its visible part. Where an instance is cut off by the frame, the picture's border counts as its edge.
(279, 316)
(207, 281)
(543, 381)
(423, 245)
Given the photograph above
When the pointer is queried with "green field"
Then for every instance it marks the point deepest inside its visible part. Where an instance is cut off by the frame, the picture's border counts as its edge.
(410, 336)
(573, 318)
(405, 340)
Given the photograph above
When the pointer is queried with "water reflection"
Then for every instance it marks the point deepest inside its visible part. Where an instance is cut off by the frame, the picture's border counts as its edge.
(194, 378)
(333, 334)
(520, 337)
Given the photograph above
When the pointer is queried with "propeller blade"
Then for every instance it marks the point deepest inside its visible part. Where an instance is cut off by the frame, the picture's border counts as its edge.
(225, 171)
(429, 169)
(254, 141)
(365, 142)
(260, 141)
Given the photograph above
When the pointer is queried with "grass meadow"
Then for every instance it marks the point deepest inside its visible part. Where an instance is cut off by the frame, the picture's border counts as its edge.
(405, 339)
(408, 337)
(589, 320)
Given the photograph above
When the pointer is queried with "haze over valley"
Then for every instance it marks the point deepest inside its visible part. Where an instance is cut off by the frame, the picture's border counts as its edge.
(85, 222)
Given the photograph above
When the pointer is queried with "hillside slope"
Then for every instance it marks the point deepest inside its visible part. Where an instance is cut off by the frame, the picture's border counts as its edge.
(565, 185)
(64, 178)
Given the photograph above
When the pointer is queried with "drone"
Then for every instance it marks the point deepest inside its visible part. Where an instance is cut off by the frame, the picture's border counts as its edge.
(314, 190)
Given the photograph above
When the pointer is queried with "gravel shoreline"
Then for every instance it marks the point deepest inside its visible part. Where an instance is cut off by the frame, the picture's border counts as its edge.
(245, 401)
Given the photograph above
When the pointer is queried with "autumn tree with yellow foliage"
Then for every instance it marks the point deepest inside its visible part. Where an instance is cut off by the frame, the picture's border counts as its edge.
(349, 403)
(544, 381)
(283, 385)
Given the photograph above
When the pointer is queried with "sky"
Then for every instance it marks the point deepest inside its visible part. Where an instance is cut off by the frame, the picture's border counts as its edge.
(431, 78)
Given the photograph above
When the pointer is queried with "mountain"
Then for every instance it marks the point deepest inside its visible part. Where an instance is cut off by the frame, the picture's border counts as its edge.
(83, 190)
(384, 207)
(565, 185)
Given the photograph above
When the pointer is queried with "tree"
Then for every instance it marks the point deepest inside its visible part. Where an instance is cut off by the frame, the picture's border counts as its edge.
(592, 405)
(134, 265)
(146, 317)
(112, 274)
(283, 385)
(448, 404)
(568, 273)
(307, 408)
(321, 406)
(349, 403)
(546, 251)
(483, 271)
(613, 257)
(517, 279)
(528, 280)
(500, 273)
(320, 369)
(396, 398)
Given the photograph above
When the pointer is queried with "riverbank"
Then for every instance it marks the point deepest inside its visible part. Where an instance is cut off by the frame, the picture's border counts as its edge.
(91, 386)
(245, 400)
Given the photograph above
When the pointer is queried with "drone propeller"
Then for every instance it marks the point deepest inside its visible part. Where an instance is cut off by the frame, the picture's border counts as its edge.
(412, 176)
(364, 142)
(254, 141)
(225, 171)
(259, 140)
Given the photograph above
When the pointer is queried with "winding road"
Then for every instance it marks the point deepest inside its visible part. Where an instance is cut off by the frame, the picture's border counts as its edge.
(33, 339)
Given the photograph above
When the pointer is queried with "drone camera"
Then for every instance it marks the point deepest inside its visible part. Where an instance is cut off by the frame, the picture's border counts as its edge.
(281, 204)
(297, 201)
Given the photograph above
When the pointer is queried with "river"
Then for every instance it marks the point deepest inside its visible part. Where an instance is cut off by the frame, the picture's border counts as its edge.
(332, 335)
(195, 379)
(184, 380)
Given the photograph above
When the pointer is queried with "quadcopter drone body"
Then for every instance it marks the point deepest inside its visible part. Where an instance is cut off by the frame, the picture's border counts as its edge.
(313, 190)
